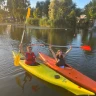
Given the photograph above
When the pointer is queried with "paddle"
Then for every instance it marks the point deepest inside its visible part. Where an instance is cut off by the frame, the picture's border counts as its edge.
(17, 58)
(84, 47)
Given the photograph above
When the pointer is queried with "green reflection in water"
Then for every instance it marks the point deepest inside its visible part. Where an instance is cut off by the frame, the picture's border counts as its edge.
(55, 36)
(52, 36)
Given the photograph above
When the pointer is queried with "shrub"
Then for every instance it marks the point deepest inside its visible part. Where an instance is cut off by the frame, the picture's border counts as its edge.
(33, 21)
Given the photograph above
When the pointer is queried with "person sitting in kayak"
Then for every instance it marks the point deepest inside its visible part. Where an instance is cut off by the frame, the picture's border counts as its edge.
(59, 56)
(29, 55)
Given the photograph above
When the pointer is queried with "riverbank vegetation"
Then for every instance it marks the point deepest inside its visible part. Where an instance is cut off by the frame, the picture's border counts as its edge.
(49, 13)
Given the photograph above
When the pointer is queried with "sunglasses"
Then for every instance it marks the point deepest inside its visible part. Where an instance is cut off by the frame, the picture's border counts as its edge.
(29, 47)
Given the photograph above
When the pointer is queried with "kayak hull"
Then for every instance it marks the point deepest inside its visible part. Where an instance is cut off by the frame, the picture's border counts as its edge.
(70, 73)
(47, 74)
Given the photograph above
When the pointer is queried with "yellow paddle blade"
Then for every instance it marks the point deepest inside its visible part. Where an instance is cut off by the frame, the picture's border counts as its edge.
(28, 13)
(17, 59)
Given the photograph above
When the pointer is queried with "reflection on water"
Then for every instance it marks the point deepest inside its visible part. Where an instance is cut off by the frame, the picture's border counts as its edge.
(39, 86)
(10, 37)
(27, 78)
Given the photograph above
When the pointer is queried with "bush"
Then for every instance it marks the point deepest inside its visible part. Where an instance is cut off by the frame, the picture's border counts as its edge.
(44, 22)
(33, 21)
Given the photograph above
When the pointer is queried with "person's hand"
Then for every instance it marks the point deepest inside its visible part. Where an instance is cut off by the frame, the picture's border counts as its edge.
(41, 44)
(50, 46)
(71, 46)
(20, 45)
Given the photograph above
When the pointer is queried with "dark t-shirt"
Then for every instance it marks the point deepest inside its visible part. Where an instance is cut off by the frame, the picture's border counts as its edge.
(61, 61)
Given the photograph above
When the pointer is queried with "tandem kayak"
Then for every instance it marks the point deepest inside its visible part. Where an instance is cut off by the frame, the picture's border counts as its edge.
(70, 73)
(47, 74)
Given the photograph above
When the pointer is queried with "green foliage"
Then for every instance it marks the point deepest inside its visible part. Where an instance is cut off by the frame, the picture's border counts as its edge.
(72, 13)
(53, 9)
(53, 13)
(18, 8)
(90, 10)
(43, 22)
(36, 13)
(62, 12)
(72, 18)
(40, 6)
(3, 15)
(46, 8)
(78, 12)
(33, 21)
(43, 8)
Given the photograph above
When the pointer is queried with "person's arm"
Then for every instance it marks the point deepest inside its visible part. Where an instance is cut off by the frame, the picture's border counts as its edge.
(21, 49)
(53, 53)
(68, 51)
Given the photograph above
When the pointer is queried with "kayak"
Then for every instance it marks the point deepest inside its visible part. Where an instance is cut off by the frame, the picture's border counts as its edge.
(70, 73)
(47, 74)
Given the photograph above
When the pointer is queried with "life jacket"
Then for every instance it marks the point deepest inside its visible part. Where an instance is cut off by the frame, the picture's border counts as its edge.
(61, 61)
(30, 58)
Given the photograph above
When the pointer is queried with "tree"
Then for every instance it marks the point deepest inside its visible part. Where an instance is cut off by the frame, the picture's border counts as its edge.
(78, 12)
(40, 6)
(3, 15)
(62, 12)
(36, 13)
(46, 8)
(53, 9)
(43, 8)
(72, 18)
(90, 10)
(18, 8)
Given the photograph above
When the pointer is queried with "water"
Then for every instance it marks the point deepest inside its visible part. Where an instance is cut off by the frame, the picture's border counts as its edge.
(15, 81)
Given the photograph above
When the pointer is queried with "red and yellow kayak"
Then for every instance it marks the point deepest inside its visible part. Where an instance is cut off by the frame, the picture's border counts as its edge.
(47, 74)
(70, 73)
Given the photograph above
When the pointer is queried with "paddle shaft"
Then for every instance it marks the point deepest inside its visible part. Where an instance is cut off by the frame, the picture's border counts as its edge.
(46, 44)
(17, 59)
(84, 47)
(22, 37)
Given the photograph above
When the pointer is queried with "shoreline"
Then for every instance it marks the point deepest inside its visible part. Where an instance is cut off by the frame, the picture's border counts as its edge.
(30, 26)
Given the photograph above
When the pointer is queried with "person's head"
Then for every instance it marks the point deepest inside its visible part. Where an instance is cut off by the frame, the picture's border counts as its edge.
(59, 52)
(29, 48)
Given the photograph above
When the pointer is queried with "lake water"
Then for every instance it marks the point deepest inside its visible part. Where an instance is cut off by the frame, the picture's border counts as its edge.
(13, 80)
